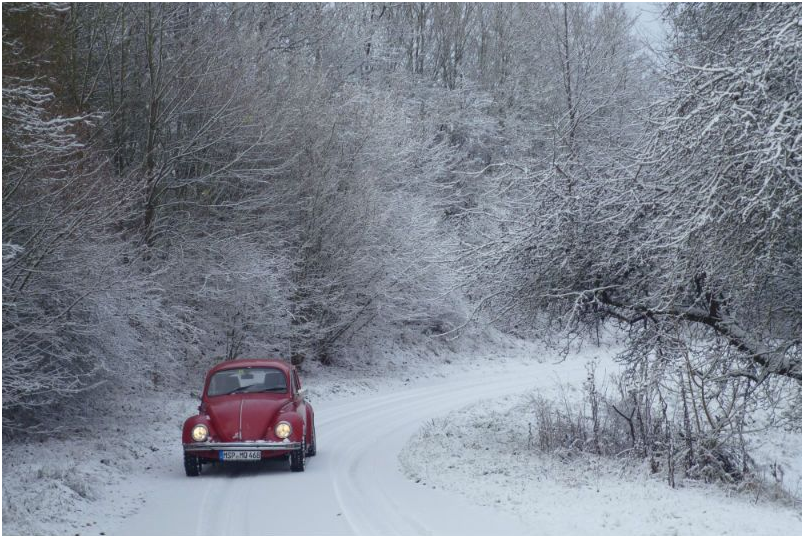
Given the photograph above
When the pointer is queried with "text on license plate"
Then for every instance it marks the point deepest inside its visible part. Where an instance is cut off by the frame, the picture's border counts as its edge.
(239, 455)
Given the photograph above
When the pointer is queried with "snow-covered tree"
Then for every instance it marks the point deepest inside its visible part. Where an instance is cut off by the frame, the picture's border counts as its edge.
(274, 179)
(715, 236)
(55, 210)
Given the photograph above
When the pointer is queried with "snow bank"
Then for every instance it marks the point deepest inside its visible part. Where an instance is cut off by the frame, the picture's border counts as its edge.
(485, 453)
(74, 484)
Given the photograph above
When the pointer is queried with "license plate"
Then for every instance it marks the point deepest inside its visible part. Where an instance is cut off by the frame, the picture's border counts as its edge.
(239, 455)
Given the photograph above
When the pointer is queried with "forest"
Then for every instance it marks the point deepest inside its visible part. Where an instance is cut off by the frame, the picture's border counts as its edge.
(184, 183)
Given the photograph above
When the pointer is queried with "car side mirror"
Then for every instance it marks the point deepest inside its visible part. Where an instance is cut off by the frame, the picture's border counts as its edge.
(195, 395)
(302, 392)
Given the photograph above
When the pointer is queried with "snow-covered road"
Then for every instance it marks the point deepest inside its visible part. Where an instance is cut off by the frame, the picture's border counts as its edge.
(353, 486)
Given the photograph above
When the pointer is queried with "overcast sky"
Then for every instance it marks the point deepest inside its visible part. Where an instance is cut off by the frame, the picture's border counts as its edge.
(649, 23)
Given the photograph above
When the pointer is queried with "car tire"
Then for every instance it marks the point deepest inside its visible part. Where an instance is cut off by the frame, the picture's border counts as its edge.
(192, 465)
(311, 450)
(298, 458)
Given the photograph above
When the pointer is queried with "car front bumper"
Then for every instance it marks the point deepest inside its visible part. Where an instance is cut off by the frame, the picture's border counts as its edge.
(262, 446)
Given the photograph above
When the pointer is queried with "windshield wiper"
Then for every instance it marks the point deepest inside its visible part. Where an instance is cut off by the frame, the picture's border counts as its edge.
(238, 389)
(247, 387)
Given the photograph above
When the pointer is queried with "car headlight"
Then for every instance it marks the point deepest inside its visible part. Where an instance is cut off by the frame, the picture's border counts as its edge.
(199, 433)
(283, 430)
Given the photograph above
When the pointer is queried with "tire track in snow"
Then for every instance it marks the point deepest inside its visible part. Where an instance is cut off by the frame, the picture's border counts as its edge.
(201, 524)
(342, 481)
(354, 486)
(366, 503)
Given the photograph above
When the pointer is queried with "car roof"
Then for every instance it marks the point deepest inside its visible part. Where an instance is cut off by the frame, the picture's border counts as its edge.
(251, 363)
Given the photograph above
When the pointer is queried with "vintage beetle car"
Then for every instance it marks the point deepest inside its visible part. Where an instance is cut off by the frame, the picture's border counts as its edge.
(250, 409)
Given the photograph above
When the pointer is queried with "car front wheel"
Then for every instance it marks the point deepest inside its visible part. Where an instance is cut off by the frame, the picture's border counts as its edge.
(298, 458)
(192, 465)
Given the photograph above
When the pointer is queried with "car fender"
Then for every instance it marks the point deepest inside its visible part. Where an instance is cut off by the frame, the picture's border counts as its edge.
(191, 422)
(296, 421)
(309, 419)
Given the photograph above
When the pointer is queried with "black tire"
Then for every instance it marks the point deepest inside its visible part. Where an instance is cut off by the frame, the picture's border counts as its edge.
(311, 450)
(297, 458)
(192, 465)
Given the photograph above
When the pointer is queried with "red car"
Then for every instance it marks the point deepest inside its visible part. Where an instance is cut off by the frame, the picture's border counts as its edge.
(250, 410)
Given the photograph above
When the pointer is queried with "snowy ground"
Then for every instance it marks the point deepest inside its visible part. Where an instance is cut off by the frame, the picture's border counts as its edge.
(482, 452)
(93, 479)
(376, 472)
(81, 483)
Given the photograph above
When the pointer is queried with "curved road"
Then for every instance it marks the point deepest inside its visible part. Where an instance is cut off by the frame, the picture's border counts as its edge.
(354, 484)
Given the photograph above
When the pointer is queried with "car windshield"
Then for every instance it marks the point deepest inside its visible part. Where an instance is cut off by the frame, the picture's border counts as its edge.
(243, 380)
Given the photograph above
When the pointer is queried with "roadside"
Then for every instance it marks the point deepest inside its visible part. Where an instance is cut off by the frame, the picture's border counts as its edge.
(485, 453)
(73, 484)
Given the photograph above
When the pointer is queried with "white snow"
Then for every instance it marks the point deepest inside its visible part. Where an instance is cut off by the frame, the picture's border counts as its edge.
(376, 472)
(80, 484)
(481, 452)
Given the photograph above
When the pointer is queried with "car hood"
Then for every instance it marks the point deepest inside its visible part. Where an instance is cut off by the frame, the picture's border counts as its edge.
(244, 418)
